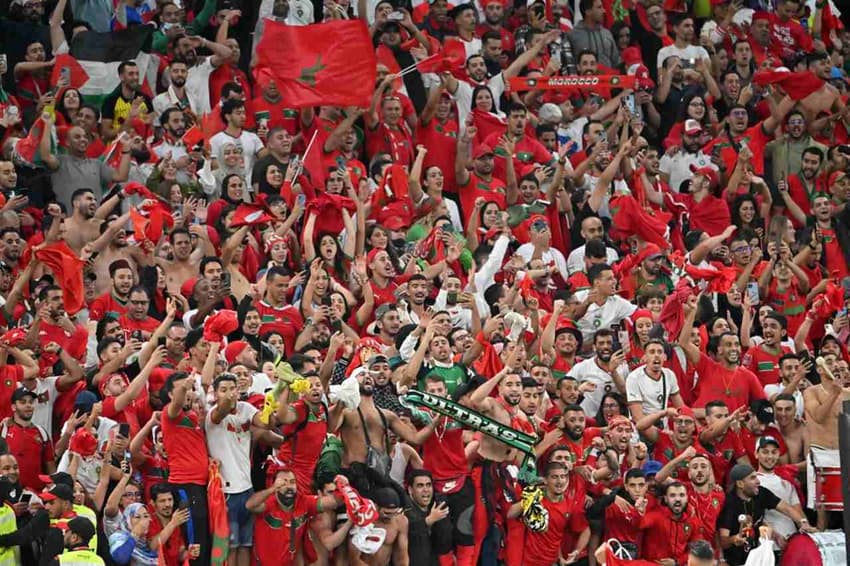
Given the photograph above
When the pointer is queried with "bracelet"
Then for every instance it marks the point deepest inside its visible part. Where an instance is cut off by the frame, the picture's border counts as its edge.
(125, 153)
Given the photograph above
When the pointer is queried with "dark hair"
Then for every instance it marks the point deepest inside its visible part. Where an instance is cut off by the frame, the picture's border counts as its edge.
(529, 382)
(42, 295)
(106, 342)
(418, 473)
(603, 333)
(478, 89)
(572, 407)
(744, 234)
(584, 52)
(780, 318)
(812, 150)
(80, 192)
(124, 64)
(169, 385)
(60, 104)
(208, 260)
(595, 271)
(585, 5)
(553, 466)
(516, 107)
(701, 549)
(229, 88)
(222, 378)
(229, 106)
(193, 337)
(621, 401)
(490, 35)
(595, 248)
(91, 107)
(633, 473)
(163, 118)
(158, 489)
(176, 231)
(715, 403)
(683, 109)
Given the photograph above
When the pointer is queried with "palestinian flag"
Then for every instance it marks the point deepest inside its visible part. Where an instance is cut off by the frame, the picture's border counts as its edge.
(217, 509)
(94, 58)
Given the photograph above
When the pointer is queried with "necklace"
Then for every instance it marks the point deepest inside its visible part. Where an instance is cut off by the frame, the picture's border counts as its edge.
(727, 385)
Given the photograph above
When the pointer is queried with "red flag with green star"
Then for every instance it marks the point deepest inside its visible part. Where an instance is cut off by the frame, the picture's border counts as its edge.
(217, 509)
(330, 64)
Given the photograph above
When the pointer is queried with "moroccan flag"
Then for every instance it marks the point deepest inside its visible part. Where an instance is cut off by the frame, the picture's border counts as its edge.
(67, 270)
(797, 85)
(321, 64)
(97, 56)
(628, 218)
(217, 510)
(250, 215)
(486, 124)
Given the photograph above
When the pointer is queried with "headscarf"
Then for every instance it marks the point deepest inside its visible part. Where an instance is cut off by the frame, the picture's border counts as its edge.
(142, 555)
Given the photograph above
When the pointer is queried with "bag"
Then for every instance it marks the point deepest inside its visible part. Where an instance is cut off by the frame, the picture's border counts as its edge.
(376, 460)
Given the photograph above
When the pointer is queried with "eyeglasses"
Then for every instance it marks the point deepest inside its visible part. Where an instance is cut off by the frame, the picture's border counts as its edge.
(740, 249)
(796, 122)
(132, 494)
(140, 303)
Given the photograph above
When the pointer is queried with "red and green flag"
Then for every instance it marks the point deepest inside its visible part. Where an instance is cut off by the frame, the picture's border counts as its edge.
(331, 63)
(217, 509)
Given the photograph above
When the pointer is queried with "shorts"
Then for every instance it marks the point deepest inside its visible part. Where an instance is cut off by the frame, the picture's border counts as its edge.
(240, 519)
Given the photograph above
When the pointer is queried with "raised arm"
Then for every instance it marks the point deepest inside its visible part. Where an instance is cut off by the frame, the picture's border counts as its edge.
(691, 351)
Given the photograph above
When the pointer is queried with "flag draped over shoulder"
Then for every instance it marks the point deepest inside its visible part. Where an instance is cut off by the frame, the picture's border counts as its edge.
(321, 64)
(95, 57)
(219, 526)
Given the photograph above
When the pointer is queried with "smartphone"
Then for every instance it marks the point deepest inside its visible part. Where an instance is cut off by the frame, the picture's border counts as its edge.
(630, 104)
(336, 326)
(65, 73)
(753, 292)
(137, 335)
(25, 497)
(615, 328)
(623, 339)
(301, 200)
(451, 297)
(160, 342)
(395, 16)
(225, 279)
(184, 504)
(124, 430)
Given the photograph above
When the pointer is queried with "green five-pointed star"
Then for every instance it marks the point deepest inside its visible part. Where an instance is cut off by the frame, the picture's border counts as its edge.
(308, 74)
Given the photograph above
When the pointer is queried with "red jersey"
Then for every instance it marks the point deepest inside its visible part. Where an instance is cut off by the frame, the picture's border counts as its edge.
(567, 515)
(836, 266)
(789, 38)
(74, 342)
(397, 142)
(186, 446)
(737, 387)
(526, 151)
(791, 303)
(286, 320)
(764, 364)
(279, 533)
(493, 190)
(128, 415)
(441, 141)
(580, 448)
(170, 550)
(801, 193)
(666, 536)
(665, 450)
(303, 443)
(148, 325)
(711, 214)
(10, 375)
(443, 455)
(105, 304)
(32, 447)
(724, 454)
(275, 115)
(706, 508)
(226, 73)
(755, 138)
(383, 295)
(624, 527)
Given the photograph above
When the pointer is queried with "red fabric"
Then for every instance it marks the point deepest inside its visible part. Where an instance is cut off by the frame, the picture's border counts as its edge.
(67, 269)
(27, 147)
(78, 76)
(487, 124)
(797, 85)
(628, 218)
(250, 215)
(322, 64)
(220, 324)
(218, 522)
(328, 211)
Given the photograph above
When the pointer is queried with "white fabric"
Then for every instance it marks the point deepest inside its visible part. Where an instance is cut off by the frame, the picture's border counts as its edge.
(641, 388)
(678, 167)
(575, 261)
(463, 96)
(230, 443)
(250, 143)
(198, 86)
(689, 52)
(777, 388)
(821, 458)
(549, 256)
(597, 317)
(589, 370)
(88, 473)
(762, 555)
(782, 489)
(43, 415)
(348, 393)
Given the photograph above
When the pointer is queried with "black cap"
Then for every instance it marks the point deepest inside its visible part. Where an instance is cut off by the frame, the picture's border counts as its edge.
(763, 411)
(81, 527)
(387, 498)
(57, 491)
(63, 478)
(377, 359)
(765, 440)
(461, 8)
(22, 392)
(740, 472)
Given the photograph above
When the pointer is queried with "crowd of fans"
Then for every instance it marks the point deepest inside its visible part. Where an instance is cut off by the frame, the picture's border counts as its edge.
(650, 282)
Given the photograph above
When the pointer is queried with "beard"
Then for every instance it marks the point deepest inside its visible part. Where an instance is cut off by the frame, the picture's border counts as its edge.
(287, 497)
(367, 392)
(178, 82)
(140, 155)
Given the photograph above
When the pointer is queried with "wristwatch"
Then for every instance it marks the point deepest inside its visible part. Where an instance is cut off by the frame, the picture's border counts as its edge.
(308, 321)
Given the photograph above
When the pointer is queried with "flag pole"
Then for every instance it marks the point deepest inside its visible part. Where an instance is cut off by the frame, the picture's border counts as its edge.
(309, 145)
(410, 68)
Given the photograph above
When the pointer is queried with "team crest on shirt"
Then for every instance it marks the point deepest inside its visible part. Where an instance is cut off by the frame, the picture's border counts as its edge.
(715, 502)
(8, 383)
(687, 528)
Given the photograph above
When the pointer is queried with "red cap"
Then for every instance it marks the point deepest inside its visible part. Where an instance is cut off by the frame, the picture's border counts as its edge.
(234, 349)
(641, 313)
(692, 127)
(158, 377)
(835, 177)
(481, 151)
(619, 420)
(761, 15)
(631, 56)
(709, 172)
(686, 412)
(373, 253)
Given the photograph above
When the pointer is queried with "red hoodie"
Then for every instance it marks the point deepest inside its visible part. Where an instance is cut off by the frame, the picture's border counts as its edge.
(666, 536)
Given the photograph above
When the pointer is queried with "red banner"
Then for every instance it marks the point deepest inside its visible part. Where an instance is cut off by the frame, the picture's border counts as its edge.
(572, 82)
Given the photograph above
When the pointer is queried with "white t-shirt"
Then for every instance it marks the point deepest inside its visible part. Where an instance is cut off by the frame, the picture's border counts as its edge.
(589, 370)
(678, 167)
(198, 86)
(250, 143)
(463, 96)
(612, 311)
(575, 261)
(260, 383)
(641, 388)
(782, 489)
(689, 52)
(549, 256)
(230, 443)
(88, 472)
(47, 393)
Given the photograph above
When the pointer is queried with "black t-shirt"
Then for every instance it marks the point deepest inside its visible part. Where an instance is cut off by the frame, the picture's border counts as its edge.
(117, 108)
(754, 509)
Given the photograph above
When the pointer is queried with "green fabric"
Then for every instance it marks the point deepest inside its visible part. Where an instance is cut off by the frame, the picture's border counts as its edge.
(201, 20)
(330, 459)
(452, 376)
